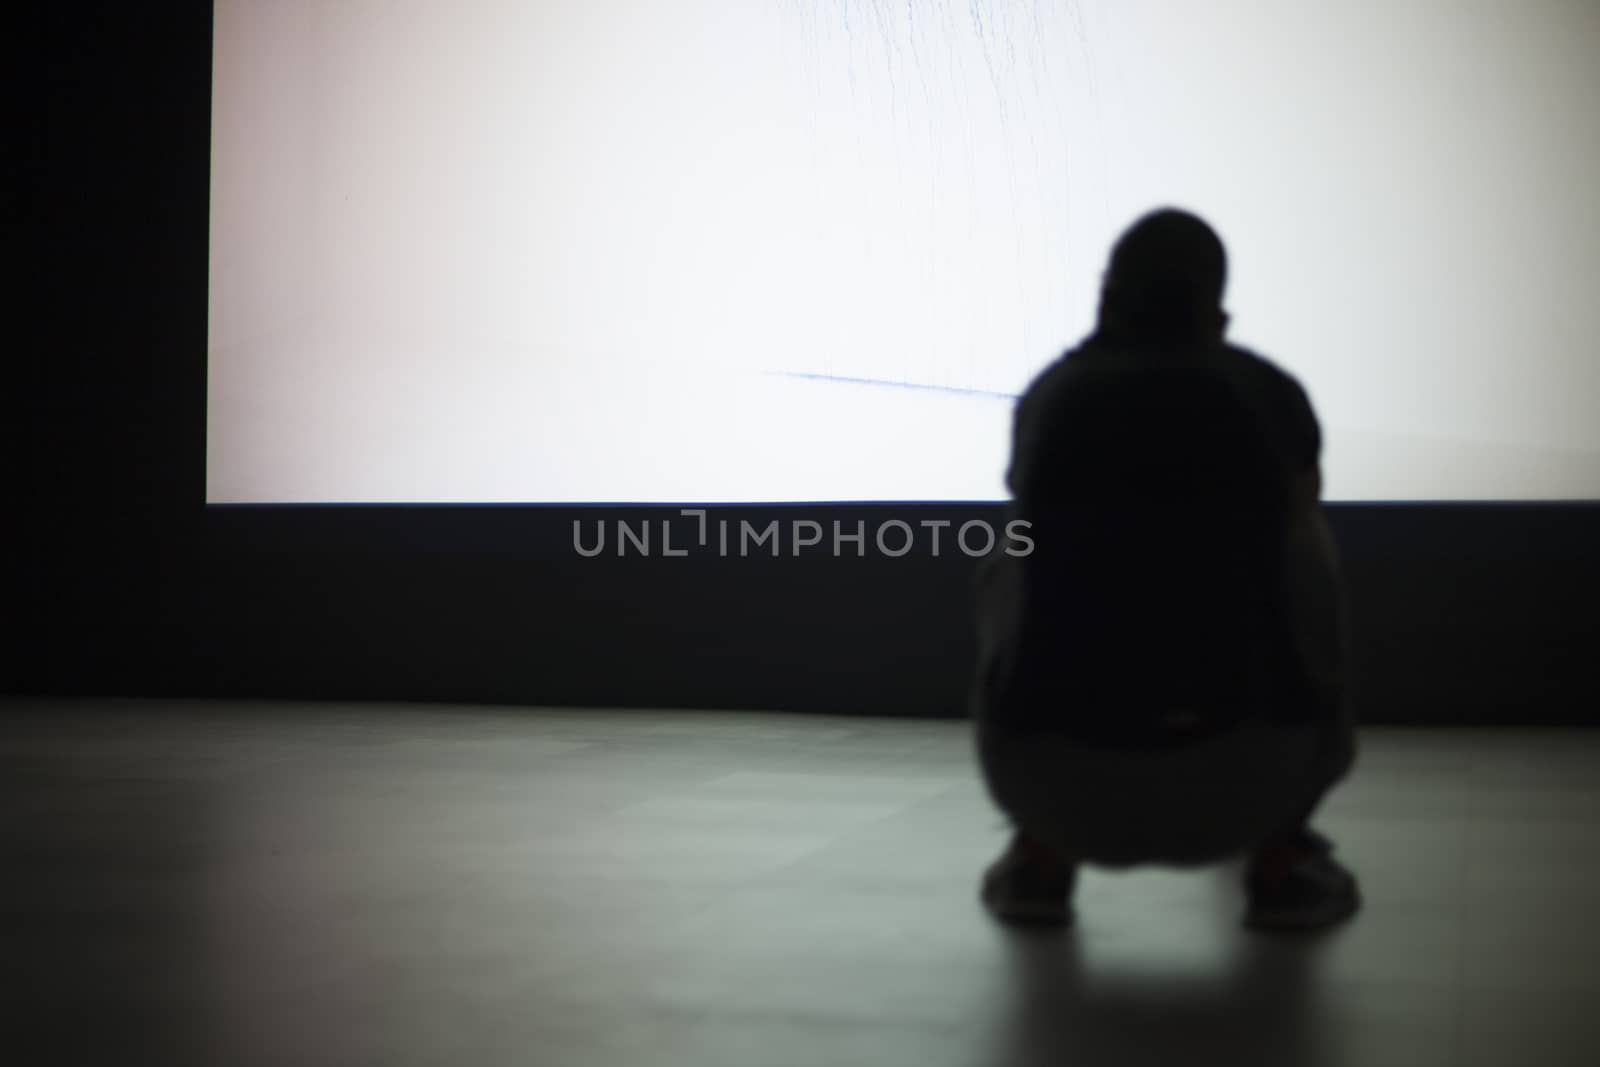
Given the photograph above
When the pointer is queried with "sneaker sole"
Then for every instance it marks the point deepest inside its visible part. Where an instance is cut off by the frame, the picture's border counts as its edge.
(1024, 911)
(1303, 920)
(1020, 914)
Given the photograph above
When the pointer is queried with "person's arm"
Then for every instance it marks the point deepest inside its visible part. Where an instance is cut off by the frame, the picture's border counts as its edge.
(1307, 489)
(1318, 613)
(1032, 408)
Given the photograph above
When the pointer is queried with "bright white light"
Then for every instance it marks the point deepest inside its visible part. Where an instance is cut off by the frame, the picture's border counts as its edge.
(742, 250)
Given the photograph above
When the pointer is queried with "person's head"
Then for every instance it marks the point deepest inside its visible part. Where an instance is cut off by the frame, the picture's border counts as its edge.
(1165, 281)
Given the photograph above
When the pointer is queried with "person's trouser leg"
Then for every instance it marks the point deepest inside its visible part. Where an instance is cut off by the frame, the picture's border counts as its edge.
(1320, 636)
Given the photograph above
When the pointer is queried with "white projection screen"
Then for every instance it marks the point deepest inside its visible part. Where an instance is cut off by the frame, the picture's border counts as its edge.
(810, 250)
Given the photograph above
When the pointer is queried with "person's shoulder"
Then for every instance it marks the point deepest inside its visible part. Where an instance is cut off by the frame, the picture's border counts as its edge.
(1064, 365)
(1260, 365)
(1268, 376)
(1283, 392)
(1052, 377)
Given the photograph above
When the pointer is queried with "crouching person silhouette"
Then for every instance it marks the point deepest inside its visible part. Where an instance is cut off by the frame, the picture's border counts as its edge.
(1160, 680)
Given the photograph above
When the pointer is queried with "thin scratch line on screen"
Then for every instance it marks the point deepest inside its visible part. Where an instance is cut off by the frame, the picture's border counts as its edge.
(893, 384)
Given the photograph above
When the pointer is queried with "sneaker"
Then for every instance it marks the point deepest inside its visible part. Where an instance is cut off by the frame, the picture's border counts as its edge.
(1312, 891)
(1024, 892)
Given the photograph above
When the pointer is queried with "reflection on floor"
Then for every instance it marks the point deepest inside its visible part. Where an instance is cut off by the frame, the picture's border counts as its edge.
(210, 883)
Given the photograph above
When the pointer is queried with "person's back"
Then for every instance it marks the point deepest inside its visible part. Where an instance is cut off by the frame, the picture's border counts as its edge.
(1157, 501)
(1148, 646)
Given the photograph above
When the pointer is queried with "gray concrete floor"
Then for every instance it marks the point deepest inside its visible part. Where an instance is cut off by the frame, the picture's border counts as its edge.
(253, 883)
